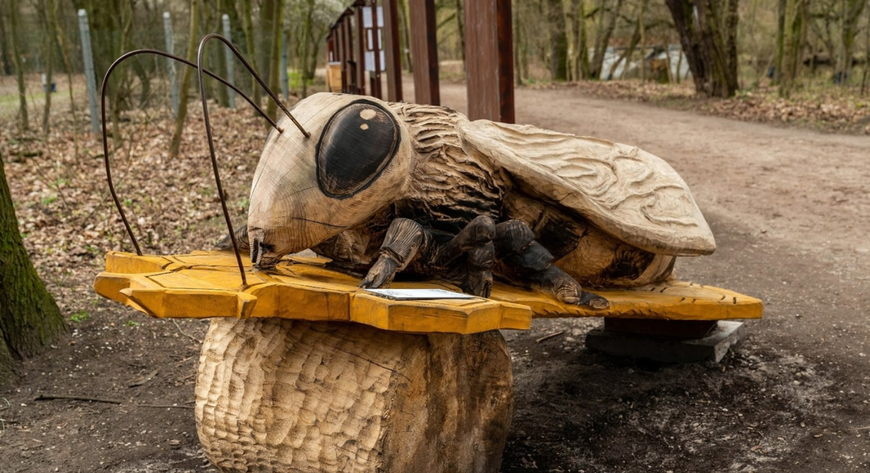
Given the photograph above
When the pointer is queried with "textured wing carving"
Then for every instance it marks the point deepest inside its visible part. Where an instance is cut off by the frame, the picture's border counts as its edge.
(625, 191)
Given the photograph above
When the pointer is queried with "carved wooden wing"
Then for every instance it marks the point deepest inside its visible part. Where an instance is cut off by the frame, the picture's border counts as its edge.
(625, 191)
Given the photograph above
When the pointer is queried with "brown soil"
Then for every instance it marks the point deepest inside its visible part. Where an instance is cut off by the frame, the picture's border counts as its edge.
(789, 210)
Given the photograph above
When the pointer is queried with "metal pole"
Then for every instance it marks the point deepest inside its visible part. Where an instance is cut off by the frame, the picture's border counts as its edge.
(231, 77)
(85, 32)
(285, 86)
(170, 47)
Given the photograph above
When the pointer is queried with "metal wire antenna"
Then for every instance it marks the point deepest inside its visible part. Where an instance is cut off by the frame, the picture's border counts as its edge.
(217, 178)
(250, 69)
(200, 71)
(103, 90)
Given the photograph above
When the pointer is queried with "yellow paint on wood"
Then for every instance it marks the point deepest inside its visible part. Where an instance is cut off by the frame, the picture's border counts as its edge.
(207, 284)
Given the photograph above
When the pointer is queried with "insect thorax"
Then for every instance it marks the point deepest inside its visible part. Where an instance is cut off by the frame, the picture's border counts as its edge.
(449, 188)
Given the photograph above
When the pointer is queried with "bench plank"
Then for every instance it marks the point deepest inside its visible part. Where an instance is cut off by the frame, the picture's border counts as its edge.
(207, 284)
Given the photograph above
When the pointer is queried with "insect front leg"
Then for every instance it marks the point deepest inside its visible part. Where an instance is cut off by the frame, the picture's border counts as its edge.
(401, 245)
(528, 261)
(475, 242)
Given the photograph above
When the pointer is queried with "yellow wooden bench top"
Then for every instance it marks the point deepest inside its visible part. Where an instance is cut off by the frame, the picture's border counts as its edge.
(207, 284)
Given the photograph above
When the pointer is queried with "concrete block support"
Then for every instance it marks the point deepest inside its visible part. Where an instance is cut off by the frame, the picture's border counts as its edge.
(666, 349)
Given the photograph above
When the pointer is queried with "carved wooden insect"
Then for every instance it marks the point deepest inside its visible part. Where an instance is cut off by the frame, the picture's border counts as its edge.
(382, 188)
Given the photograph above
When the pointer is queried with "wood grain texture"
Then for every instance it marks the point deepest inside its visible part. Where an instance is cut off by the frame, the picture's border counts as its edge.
(424, 50)
(293, 396)
(489, 60)
(207, 284)
(625, 191)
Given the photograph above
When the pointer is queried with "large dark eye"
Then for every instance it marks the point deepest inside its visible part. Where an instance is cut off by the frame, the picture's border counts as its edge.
(356, 145)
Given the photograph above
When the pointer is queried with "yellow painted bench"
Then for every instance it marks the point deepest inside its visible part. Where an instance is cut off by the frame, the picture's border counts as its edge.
(207, 284)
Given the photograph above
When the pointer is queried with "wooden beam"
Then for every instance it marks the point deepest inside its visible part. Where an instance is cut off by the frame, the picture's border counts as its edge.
(347, 70)
(361, 50)
(489, 60)
(392, 51)
(375, 76)
(424, 50)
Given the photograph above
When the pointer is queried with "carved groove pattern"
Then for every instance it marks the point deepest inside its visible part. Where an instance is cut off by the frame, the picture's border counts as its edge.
(449, 187)
(284, 395)
(625, 191)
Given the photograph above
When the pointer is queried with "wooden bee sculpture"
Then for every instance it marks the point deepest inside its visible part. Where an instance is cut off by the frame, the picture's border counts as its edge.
(383, 188)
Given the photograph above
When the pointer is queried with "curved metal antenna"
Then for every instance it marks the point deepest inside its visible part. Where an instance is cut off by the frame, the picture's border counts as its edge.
(253, 73)
(103, 88)
(214, 166)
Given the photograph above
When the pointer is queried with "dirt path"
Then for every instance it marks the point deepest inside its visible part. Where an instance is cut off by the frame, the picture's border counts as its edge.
(789, 209)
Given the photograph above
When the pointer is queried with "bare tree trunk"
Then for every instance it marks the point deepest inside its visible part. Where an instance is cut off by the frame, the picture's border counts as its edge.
(275, 66)
(64, 52)
(266, 28)
(668, 58)
(122, 92)
(314, 39)
(626, 54)
(5, 55)
(520, 48)
(218, 56)
(580, 51)
(251, 46)
(47, 8)
(708, 34)
(793, 39)
(781, 8)
(642, 28)
(185, 79)
(849, 14)
(558, 40)
(404, 14)
(29, 317)
(866, 55)
(23, 118)
(680, 66)
(460, 27)
(602, 37)
(305, 46)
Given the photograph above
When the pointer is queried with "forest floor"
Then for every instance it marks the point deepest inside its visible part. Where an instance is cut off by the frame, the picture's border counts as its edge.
(788, 206)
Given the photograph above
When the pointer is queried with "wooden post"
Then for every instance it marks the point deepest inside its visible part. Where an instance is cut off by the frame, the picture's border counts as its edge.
(291, 395)
(361, 49)
(170, 48)
(391, 46)
(91, 81)
(330, 45)
(375, 75)
(489, 60)
(230, 58)
(424, 49)
(343, 55)
(348, 52)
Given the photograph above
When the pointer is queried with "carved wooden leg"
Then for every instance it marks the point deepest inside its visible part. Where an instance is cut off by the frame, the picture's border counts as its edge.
(277, 395)
(530, 262)
(401, 244)
(241, 234)
(475, 242)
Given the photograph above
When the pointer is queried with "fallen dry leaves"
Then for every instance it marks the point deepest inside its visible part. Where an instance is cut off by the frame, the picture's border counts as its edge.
(67, 216)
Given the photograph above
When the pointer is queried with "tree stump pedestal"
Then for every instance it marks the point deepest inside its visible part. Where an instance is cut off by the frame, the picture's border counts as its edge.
(291, 395)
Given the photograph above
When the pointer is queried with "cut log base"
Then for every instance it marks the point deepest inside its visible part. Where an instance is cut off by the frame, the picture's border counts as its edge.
(666, 341)
(289, 395)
